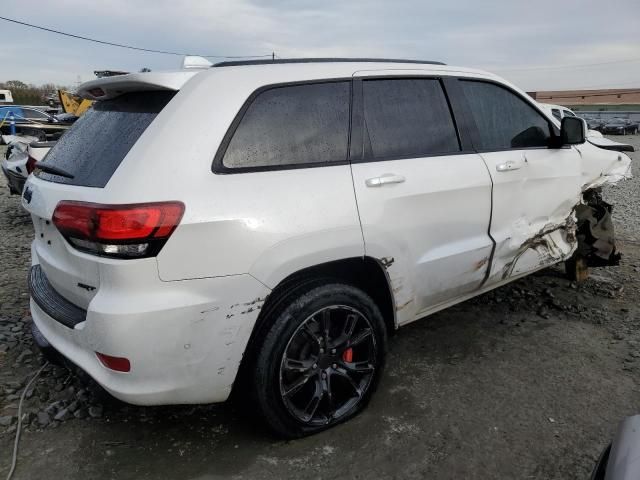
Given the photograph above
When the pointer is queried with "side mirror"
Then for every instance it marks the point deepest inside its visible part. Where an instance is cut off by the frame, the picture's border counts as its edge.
(573, 130)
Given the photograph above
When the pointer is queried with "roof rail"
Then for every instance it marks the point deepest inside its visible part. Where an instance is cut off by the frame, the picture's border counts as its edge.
(234, 63)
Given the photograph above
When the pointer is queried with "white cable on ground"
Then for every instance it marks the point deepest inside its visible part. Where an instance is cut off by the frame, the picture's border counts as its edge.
(17, 441)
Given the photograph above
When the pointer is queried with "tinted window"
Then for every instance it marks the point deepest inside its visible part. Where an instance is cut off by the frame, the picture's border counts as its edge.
(407, 117)
(93, 148)
(293, 125)
(34, 114)
(568, 113)
(504, 119)
(556, 113)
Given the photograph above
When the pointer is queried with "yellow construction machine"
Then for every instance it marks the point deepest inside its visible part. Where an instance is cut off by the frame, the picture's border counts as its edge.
(73, 104)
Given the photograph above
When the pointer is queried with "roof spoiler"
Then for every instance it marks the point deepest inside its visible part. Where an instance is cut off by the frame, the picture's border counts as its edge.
(110, 87)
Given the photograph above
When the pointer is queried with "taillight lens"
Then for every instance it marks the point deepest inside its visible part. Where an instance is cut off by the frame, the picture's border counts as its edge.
(119, 364)
(123, 231)
(31, 164)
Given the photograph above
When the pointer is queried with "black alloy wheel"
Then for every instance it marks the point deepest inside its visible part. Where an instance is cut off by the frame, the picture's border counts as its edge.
(319, 356)
(327, 365)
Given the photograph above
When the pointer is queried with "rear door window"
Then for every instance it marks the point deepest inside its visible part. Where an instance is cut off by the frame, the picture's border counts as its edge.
(504, 120)
(407, 118)
(294, 125)
(96, 144)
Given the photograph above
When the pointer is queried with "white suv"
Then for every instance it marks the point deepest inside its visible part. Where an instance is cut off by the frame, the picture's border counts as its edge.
(267, 224)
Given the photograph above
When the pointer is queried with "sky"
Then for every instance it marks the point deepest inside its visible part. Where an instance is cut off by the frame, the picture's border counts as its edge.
(541, 45)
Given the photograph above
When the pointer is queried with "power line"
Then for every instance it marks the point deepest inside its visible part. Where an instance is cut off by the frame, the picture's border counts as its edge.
(120, 45)
(560, 67)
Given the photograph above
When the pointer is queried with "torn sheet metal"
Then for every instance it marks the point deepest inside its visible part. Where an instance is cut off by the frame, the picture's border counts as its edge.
(596, 235)
(607, 144)
(552, 243)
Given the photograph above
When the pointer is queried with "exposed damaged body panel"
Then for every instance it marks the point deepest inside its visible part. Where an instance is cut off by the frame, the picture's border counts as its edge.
(580, 223)
(596, 236)
(548, 210)
(532, 222)
(608, 144)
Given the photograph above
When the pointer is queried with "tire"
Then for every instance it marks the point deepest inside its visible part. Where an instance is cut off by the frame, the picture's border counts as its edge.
(306, 380)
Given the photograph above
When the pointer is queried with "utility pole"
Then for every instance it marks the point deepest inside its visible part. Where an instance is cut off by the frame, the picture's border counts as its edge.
(273, 56)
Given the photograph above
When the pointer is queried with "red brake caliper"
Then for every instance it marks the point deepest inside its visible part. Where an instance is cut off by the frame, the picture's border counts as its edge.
(347, 355)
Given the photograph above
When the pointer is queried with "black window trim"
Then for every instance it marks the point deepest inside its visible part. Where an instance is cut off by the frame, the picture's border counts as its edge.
(358, 136)
(466, 130)
(554, 130)
(218, 166)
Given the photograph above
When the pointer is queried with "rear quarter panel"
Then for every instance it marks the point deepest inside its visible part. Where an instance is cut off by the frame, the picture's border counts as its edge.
(268, 224)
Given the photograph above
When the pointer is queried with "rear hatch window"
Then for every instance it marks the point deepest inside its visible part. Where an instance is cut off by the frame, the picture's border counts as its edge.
(96, 144)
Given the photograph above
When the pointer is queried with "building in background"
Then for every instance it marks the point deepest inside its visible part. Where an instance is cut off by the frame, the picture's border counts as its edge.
(611, 100)
(603, 105)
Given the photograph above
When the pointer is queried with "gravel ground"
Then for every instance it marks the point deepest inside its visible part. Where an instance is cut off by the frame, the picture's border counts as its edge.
(528, 381)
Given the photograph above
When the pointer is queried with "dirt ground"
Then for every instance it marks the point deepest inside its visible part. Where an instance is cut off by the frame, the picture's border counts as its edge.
(526, 382)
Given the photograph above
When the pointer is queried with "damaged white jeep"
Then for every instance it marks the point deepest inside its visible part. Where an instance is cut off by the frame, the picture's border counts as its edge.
(265, 225)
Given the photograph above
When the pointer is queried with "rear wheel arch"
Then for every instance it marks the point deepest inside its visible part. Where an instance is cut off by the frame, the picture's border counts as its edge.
(365, 273)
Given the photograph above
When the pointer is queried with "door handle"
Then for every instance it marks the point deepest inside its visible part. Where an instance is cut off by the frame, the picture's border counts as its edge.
(508, 166)
(384, 179)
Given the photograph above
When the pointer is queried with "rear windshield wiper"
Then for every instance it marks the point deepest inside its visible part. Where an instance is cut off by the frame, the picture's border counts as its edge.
(52, 170)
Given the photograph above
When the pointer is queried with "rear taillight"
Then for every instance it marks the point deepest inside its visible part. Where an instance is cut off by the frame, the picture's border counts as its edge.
(31, 164)
(123, 231)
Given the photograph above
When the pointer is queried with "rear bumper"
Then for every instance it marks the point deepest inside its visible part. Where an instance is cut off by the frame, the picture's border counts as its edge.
(50, 353)
(51, 302)
(185, 341)
(14, 181)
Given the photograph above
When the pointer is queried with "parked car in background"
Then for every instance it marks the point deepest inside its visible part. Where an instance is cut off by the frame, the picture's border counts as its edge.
(33, 122)
(6, 96)
(558, 112)
(325, 204)
(38, 150)
(19, 161)
(595, 123)
(14, 166)
(619, 126)
(632, 125)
